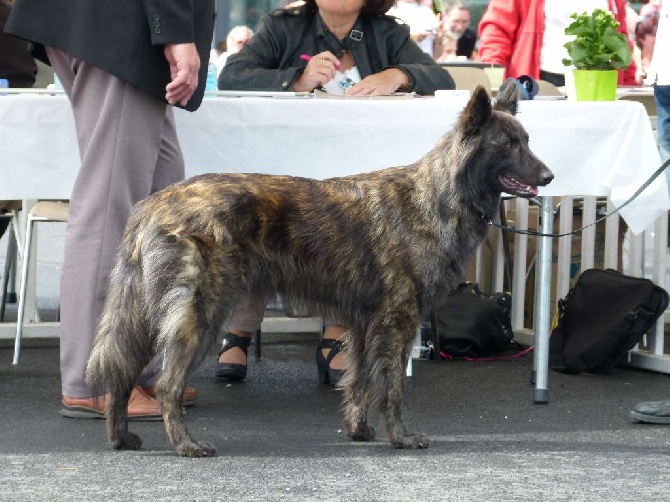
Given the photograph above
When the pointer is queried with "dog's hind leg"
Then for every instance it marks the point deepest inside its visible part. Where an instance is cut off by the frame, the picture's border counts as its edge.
(356, 390)
(117, 420)
(122, 348)
(192, 311)
(121, 386)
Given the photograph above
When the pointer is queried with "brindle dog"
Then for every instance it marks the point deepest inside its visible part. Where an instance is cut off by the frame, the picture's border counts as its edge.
(376, 250)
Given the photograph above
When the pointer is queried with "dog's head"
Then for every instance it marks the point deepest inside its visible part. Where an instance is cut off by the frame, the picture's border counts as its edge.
(496, 146)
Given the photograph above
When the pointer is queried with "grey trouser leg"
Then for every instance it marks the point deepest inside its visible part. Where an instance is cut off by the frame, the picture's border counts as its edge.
(248, 314)
(129, 149)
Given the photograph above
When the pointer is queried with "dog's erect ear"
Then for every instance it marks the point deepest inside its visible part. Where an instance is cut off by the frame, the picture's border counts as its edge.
(477, 112)
(508, 99)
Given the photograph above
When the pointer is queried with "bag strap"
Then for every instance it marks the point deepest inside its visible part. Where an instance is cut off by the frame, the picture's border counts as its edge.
(522, 352)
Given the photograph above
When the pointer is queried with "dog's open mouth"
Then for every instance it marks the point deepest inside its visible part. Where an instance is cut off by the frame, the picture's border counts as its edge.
(514, 187)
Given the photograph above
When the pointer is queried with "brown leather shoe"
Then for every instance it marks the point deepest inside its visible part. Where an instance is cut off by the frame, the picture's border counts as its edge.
(141, 407)
(190, 394)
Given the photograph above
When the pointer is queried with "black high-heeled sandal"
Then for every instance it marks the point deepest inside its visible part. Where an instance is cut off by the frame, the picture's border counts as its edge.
(232, 371)
(326, 373)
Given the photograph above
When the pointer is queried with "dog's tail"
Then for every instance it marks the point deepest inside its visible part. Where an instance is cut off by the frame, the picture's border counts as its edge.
(122, 347)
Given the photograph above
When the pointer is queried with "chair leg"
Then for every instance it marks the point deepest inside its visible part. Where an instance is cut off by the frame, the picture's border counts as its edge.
(257, 340)
(10, 264)
(5, 277)
(22, 289)
(10, 294)
(436, 335)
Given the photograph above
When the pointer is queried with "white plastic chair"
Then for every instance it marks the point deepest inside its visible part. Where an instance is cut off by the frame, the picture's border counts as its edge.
(44, 211)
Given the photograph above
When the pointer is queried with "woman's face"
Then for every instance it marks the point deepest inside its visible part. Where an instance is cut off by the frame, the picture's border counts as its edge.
(340, 7)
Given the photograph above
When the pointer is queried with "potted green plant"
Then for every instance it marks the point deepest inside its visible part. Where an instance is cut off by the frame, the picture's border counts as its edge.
(596, 53)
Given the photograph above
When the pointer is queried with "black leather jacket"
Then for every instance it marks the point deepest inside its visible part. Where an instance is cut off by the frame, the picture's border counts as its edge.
(271, 60)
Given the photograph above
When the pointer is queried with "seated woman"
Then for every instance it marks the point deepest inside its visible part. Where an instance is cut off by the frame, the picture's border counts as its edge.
(349, 43)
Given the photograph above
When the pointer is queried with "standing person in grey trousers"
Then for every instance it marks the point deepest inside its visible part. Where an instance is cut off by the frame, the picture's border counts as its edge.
(121, 64)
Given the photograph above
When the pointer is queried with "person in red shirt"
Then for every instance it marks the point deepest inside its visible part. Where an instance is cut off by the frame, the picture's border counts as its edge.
(527, 36)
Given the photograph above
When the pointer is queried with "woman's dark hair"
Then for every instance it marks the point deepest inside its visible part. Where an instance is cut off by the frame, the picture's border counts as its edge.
(370, 7)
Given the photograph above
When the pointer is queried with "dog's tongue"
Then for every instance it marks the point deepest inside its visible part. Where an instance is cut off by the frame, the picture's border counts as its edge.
(517, 188)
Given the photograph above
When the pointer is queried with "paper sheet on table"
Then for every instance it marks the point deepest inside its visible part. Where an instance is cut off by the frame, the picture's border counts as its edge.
(396, 95)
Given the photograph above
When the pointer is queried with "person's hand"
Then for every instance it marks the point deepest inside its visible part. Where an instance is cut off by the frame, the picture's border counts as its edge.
(384, 82)
(184, 65)
(418, 36)
(319, 71)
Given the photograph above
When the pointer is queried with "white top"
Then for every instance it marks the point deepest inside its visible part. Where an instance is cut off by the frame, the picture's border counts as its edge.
(659, 68)
(556, 19)
(420, 18)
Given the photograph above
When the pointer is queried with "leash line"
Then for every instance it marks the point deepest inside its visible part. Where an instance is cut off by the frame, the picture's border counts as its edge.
(649, 181)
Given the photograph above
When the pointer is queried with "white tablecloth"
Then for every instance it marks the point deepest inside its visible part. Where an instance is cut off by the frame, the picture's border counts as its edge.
(593, 148)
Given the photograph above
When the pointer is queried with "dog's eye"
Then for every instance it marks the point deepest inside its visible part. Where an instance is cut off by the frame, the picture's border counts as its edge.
(508, 145)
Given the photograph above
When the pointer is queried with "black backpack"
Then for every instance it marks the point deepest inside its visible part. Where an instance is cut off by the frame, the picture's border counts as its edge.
(601, 319)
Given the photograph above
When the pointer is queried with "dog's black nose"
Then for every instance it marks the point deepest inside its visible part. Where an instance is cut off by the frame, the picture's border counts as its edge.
(547, 178)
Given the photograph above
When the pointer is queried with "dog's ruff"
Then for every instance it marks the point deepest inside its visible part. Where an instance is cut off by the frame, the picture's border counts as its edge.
(374, 250)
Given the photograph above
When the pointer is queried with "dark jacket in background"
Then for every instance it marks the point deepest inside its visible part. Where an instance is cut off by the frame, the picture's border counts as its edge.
(16, 63)
(122, 37)
(466, 43)
(271, 60)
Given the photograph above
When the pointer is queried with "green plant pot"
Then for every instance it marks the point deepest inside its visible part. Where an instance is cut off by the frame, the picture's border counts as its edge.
(595, 85)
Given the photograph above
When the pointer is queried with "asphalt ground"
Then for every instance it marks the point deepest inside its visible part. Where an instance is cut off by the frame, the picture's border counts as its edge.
(279, 437)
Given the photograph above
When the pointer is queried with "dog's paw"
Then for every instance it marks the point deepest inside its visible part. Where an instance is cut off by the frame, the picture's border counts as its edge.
(411, 442)
(362, 433)
(196, 450)
(124, 440)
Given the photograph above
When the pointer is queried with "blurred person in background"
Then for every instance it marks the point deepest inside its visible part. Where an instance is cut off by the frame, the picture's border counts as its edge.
(455, 20)
(237, 38)
(448, 48)
(649, 7)
(645, 39)
(421, 20)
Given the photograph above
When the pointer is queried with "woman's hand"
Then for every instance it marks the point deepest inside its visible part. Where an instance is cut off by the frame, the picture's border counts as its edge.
(384, 82)
(319, 71)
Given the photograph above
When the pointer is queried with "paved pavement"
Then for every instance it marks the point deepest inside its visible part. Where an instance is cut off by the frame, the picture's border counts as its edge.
(279, 437)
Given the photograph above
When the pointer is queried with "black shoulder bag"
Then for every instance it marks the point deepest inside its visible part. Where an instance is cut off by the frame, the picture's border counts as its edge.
(472, 324)
(601, 319)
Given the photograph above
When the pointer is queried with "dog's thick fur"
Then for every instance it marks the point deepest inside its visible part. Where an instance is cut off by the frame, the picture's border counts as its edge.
(375, 250)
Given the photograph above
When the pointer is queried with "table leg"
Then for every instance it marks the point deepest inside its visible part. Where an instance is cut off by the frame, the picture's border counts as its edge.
(543, 304)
